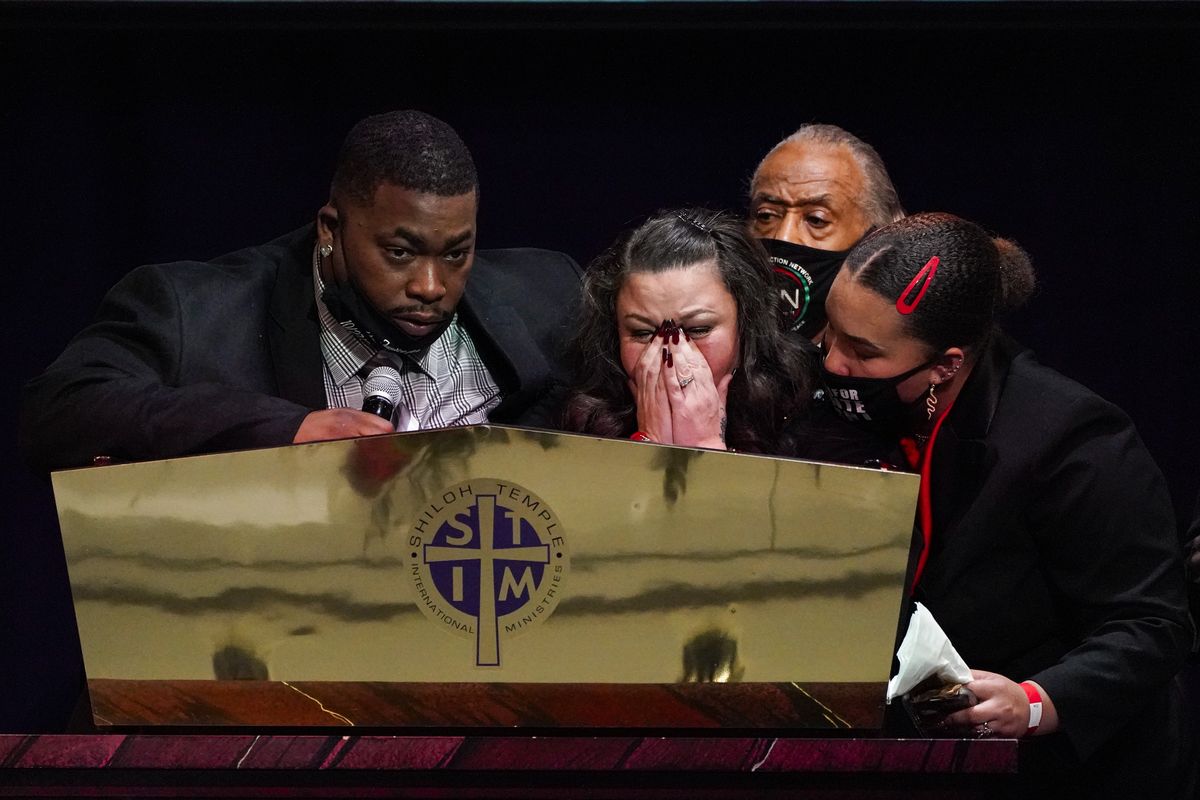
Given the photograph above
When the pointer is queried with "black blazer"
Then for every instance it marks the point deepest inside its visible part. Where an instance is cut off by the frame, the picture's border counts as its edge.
(1055, 558)
(194, 357)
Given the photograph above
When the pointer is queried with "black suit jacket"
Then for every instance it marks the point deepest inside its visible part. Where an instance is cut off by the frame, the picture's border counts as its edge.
(196, 357)
(1055, 558)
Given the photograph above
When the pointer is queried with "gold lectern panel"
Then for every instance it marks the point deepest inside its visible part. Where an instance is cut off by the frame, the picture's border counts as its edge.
(486, 554)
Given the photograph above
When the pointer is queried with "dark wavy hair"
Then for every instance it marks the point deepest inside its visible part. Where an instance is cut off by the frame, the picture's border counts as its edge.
(979, 277)
(773, 381)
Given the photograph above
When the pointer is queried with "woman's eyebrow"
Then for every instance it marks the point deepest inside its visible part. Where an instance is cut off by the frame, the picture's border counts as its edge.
(635, 317)
(861, 342)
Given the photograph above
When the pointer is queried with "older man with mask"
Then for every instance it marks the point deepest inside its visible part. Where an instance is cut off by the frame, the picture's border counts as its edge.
(272, 344)
(812, 198)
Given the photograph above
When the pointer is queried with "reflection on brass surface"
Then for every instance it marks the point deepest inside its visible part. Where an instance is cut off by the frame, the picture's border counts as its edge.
(233, 663)
(711, 657)
(487, 554)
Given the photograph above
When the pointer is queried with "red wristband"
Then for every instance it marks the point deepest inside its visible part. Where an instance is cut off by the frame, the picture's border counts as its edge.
(638, 436)
(1035, 707)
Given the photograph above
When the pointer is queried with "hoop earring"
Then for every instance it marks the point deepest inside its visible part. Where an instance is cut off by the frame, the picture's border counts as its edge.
(931, 402)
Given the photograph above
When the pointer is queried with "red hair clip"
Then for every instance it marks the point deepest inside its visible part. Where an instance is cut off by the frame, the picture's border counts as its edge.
(906, 306)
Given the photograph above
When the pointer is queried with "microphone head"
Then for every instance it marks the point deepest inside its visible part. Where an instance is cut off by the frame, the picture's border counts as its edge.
(383, 382)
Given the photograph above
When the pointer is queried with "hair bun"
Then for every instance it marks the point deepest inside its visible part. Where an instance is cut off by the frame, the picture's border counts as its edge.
(1017, 279)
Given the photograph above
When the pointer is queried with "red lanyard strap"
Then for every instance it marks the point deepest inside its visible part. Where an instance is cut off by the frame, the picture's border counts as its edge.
(925, 503)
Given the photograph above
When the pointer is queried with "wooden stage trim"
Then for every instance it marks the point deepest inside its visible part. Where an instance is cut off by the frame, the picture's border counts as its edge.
(257, 704)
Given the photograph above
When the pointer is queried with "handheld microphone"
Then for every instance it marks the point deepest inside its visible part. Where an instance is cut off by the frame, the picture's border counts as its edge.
(382, 392)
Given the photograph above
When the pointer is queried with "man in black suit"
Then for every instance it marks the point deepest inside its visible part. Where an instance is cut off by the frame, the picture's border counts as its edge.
(271, 344)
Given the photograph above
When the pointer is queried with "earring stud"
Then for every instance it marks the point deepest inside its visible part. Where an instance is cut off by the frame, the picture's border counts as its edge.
(325, 250)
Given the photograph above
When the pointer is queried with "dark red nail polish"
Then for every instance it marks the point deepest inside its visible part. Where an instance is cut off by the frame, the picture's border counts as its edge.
(685, 336)
(675, 336)
(666, 356)
(670, 360)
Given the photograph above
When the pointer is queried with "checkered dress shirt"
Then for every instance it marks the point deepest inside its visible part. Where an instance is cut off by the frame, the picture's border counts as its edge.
(446, 385)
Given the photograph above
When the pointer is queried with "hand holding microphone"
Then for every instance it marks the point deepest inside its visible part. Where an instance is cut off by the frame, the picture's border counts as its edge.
(381, 395)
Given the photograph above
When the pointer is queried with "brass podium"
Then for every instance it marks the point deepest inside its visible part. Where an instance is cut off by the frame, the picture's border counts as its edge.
(486, 576)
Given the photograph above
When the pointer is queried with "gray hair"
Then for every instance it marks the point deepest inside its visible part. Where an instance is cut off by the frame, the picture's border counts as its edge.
(881, 204)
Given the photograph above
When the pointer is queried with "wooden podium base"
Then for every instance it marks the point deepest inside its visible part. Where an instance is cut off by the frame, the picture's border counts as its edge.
(500, 766)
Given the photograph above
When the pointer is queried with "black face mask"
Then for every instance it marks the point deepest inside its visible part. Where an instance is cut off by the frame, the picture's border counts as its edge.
(871, 401)
(357, 314)
(803, 276)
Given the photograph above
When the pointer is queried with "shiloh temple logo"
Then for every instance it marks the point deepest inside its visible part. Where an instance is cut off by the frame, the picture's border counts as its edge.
(487, 559)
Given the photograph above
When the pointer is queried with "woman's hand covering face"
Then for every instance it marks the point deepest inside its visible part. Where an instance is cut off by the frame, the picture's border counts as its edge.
(699, 349)
(650, 392)
(678, 401)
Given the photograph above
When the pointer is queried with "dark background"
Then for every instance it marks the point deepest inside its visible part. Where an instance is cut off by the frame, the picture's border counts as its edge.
(140, 133)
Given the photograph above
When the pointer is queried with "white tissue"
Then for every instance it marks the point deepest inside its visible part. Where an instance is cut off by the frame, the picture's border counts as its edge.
(926, 651)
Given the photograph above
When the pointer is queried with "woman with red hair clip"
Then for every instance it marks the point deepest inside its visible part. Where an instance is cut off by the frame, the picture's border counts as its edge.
(1045, 542)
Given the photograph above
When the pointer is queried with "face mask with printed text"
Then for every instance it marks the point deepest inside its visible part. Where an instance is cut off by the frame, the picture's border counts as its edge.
(803, 276)
(870, 401)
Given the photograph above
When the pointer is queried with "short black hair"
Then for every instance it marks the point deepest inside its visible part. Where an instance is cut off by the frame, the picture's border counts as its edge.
(403, 148)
